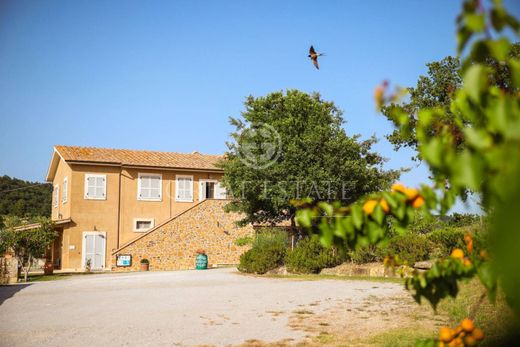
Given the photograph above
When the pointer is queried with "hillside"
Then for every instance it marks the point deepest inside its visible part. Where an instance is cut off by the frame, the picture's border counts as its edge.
(24, 198)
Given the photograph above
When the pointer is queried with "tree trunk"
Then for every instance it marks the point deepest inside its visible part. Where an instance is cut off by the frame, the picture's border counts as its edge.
(293, 231)
(27, 268)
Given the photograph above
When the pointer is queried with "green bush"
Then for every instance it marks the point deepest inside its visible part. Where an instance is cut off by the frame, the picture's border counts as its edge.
(309, 256)
(243, 241)
(367, 254)
(445, 240)
(410, 247)
(267, 252)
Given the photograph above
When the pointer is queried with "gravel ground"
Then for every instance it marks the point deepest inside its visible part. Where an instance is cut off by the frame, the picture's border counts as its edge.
(182, 308)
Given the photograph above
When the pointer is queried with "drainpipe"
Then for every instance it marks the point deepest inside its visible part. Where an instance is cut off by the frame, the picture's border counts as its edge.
(119, 207)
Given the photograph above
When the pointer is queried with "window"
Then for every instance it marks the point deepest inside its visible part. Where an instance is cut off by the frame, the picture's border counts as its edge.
(95, 187)
(65, 190)
(184, 188)
(149, 187)
(143, 224)
(56, 195)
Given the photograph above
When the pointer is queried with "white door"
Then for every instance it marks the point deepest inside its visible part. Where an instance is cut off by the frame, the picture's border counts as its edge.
(94, 250)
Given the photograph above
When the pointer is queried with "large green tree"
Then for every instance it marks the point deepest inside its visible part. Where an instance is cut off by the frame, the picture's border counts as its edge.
(437, 89)
(292, 145)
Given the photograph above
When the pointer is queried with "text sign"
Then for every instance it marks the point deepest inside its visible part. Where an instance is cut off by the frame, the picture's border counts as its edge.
(124, 260)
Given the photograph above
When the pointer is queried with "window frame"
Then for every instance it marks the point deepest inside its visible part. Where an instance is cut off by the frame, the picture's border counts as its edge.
(151, 220)
(56, 196)
(141, 174)
(87, 176)
(177, 199)
(65, 190)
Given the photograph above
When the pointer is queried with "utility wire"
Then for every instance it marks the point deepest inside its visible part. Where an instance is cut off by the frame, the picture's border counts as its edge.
(12, 190)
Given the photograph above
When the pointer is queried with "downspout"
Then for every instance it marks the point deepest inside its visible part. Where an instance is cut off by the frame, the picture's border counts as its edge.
(119, 208)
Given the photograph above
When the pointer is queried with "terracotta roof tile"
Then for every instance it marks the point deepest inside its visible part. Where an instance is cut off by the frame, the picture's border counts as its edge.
(128, 157)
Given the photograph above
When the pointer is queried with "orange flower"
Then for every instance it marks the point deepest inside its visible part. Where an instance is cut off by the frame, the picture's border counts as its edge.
(468, 325)
(445, 334)
(457, 253)
(478, 334)
(369, 205)
(398, 187)
(469, 243)
(418, 202)
(384, 205)
(411, 193)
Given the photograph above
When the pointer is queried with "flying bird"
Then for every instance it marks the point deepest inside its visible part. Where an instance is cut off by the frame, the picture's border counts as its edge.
(314, 57)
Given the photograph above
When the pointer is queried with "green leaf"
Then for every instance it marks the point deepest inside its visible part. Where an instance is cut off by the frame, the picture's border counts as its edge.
(499, 48)
(467, 171)
(357, 216)
(432, 152)
(487, 277)
(477, 138)
(475, 81)
(475, 22)
(378, 214)
(304, 218)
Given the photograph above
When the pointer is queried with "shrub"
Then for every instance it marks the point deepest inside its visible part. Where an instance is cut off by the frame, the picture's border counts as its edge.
(310, 256)
(444, 240)
(243, 241)
(410, 247)
(267, 252)
(367, 254)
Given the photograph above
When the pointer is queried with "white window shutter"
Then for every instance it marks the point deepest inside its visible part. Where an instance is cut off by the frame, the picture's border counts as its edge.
(220, 192)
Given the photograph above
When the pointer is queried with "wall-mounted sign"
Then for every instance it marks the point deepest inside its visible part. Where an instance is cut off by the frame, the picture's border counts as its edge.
(124, 260)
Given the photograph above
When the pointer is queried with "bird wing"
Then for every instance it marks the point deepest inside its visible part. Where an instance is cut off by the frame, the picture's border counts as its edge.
(315, 62)
(312, 51)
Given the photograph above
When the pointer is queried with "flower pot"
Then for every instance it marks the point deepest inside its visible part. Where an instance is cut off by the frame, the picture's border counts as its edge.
(145, 266)
(48, 268)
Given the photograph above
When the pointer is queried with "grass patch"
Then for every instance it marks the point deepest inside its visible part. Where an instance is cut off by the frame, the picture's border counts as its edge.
(56, 277)
(319, 277)
(400, 337)
(496, 320)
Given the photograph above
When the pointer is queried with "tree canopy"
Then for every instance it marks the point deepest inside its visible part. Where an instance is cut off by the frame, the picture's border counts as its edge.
(437, 89)
(292, 145)
(24, 198)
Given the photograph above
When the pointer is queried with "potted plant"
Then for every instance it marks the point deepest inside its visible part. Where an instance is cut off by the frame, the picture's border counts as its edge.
(88, 264)
(201, 262)
(145, 264)
(48, 267)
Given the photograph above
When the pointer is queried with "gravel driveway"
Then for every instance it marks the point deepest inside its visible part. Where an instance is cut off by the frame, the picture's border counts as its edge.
(215, 307)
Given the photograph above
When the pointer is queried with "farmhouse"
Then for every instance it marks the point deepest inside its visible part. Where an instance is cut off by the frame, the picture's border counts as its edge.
(160, 206)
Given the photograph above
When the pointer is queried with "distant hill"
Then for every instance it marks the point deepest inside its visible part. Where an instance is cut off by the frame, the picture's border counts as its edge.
(24, 198)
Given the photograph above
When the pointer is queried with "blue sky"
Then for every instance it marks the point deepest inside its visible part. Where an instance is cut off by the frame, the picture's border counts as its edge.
(166, 75)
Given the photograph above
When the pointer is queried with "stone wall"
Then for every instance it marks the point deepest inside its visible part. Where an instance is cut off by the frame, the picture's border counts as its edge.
(173, 244)
(8, 269)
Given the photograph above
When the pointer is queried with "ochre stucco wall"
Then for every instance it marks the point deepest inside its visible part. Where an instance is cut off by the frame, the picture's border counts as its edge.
(118, 211)
(173, 245)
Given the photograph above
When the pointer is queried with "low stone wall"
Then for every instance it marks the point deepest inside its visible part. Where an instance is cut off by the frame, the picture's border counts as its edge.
(173, 245)
(369, 270)
(8, 270)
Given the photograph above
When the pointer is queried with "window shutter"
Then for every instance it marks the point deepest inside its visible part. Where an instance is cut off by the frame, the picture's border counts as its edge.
(220, 192)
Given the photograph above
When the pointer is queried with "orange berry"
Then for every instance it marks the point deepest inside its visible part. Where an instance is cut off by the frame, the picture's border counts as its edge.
(457, 253)
(441, 344)
(418, 202)
(469, 242)
(384, 205)
(484, 254)
(398, 187)
(467, 262)
(478, 334)
(468, 325)
(411, 193)
(369, 205)
(445, 334)
(470, 341)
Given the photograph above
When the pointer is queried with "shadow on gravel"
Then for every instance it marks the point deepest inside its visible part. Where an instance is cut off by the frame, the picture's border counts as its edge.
(9, 290)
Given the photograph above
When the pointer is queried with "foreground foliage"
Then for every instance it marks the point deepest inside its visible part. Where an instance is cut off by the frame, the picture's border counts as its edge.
(485, 118)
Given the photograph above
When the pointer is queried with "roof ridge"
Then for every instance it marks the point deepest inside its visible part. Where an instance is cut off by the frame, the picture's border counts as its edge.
(137, 150)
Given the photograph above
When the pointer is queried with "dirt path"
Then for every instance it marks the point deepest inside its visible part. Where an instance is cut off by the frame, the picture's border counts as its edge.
(186, 308)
